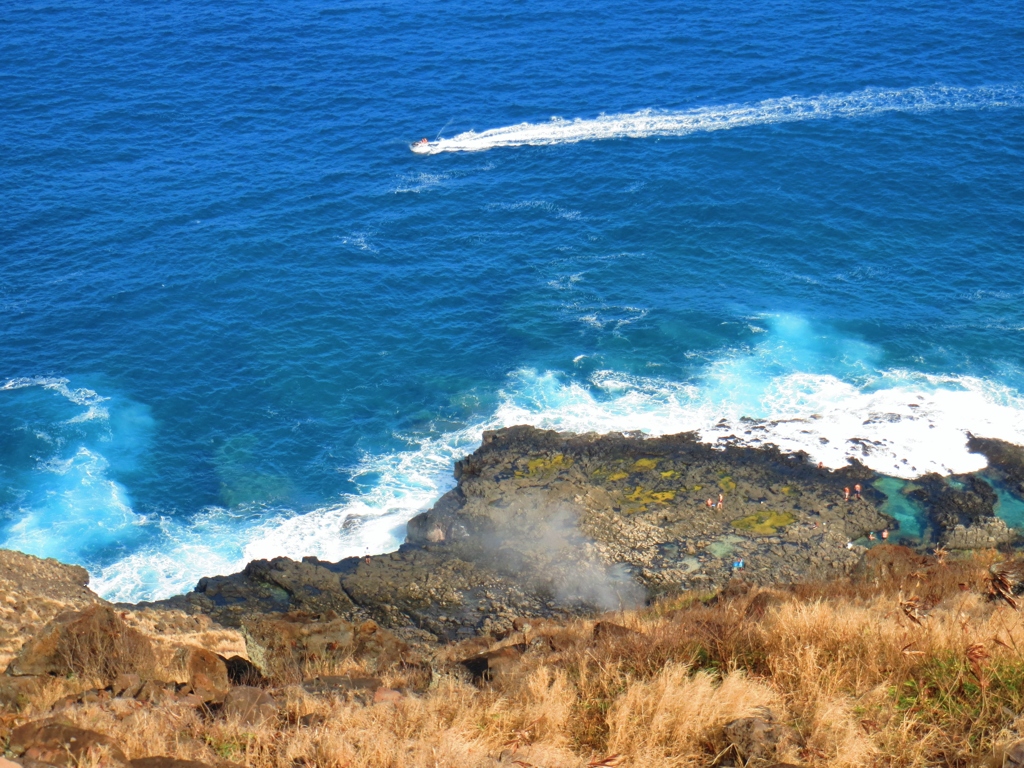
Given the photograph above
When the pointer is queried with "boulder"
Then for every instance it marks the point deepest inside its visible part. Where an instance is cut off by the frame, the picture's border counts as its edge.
(492, 665)
(94, 642)
(243, 672)
(249, 706)
(153, 692)
(278, 644)
(207, 675)
(53, 742)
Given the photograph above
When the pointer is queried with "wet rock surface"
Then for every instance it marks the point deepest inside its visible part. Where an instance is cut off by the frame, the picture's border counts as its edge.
(1005, 460)
(961, 509)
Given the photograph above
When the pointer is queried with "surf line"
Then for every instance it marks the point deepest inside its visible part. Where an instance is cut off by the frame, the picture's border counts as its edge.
(789, 109)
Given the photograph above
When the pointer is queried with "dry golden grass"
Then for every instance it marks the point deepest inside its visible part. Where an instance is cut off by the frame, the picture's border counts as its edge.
(912, 669)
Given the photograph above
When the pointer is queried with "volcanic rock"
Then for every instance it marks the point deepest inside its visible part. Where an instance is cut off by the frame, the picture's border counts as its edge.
(249, 706)
(297, 638)
(1005, 459)
(207, 675)
(35, 591)
(53, 742)
(92, 642)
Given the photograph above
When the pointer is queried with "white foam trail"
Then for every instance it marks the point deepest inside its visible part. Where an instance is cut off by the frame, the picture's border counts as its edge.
(790, 109)
(80, 396)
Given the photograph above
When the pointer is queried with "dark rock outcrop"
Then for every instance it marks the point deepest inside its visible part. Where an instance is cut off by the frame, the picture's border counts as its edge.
(269, 586)
(1005, 459)
(962, 509)
(544, 524)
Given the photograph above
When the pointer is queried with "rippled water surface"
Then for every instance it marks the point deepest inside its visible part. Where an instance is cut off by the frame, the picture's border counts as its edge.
(239, 318)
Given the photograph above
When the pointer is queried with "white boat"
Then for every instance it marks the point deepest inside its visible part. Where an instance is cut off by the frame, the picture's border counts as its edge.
(424, 147)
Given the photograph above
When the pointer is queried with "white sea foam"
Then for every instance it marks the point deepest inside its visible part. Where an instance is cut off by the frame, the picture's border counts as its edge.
(222, 541)
(78, 396)
(800, 386)
(790, 109)
(909, 423)
(68, 506)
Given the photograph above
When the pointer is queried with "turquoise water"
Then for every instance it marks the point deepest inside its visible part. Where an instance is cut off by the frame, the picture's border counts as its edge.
(909, 514)
(1009, 507)
(239, 318)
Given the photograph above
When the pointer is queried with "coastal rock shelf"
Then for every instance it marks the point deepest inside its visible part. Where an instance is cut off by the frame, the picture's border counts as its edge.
(549, 524)
(546, 524)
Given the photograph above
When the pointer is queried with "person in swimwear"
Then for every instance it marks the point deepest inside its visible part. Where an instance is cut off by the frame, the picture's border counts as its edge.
(423, 141)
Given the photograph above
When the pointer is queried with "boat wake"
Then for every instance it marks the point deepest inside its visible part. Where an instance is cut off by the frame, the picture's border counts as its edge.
(790, 109)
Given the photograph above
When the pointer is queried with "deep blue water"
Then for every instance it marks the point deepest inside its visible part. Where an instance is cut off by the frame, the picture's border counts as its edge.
(239, 318)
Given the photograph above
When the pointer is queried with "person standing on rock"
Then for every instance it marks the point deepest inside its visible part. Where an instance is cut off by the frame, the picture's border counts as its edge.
(846, 493)
(721, 501)
(856, 492)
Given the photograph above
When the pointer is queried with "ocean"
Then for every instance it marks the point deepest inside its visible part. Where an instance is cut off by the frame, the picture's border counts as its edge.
(239, 318)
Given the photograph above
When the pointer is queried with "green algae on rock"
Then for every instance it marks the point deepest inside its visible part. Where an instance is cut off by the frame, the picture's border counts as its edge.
(764, 523)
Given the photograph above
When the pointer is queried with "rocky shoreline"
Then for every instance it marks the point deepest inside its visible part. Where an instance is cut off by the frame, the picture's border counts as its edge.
(508, 575)
(552, 525)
